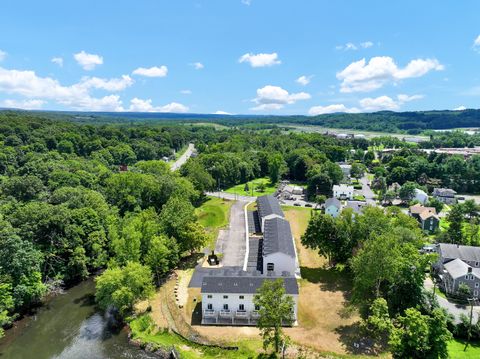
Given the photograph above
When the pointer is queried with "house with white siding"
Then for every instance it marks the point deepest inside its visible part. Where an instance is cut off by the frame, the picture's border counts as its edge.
(343, 192)
(227, 296)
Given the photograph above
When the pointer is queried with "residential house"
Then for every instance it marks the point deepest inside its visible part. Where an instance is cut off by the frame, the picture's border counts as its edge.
(293, 189)
(343, 192)
(268, 207)
(228, 299)
(333, 207)
(426, 216)
(346, 169)
(356, 206)
(420, 196)
(458, 264)
(279, 253)
(445, 195)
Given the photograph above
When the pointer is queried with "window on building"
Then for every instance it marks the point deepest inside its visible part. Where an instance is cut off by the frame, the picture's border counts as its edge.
(475, 293)
(241, 307)
(471, 276)
(270, 267)
(209, 296)
(241, 297)
(476, 264)
(477, 285)
(225, 307)
(225, 297)
(209, 306)
(257, 307)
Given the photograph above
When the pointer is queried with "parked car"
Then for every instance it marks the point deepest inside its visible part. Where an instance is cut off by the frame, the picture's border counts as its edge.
(308, 205)
(297, 204)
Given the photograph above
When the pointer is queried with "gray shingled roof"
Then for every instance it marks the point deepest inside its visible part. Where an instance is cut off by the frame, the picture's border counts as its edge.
(465, 253)
(243, 285)
(277, 237)
(444, 192)
(333, 202)
(458, 268)
(267, 205)
(356, 206)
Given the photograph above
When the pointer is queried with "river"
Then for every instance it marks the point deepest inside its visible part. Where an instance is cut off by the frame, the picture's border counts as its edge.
(68, 327)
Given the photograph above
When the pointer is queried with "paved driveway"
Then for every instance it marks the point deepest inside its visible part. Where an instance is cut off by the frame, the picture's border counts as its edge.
(367, 191)
(183, 158)
(453, 308)
(231, 242)
(231, 196)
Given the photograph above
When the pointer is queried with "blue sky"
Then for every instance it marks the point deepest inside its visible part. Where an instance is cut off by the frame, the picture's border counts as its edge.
(239, 56)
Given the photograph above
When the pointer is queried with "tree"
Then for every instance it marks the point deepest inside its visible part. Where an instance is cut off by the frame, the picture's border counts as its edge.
(276, 309)
(122, 287)
(246, 188)
(420, 336)
(407, 192)
(161, 256)
(455, 218)
(358, 170)
(378, 324)
(6, 305)
(325, 235)
(276, 167)
(435, 203)
(463, 291)
(261, 187)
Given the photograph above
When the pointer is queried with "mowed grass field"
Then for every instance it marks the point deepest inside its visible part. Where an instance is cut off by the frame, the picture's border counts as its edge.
(253, 186)
(455, 350)
(213, 215)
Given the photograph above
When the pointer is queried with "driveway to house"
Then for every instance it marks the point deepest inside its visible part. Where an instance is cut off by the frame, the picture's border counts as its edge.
(231, 242)
(367, 192)
(231, 196)
(183, 158)
(453, 308)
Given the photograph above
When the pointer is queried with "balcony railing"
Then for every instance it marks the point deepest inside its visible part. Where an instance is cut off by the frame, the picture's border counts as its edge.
(225, 313)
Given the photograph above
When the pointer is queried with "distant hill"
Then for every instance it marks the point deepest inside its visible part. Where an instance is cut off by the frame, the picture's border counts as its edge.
(386, 121)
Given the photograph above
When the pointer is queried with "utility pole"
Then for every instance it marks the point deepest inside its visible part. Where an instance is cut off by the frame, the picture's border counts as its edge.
(471, 301)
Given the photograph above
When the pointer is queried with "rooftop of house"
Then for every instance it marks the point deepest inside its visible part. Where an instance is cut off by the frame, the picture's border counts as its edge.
(454, 251)
(356, 206)
(421, 192)
(333, 202)
(418, 209)
(277, 237)
(444, 192)
(427, 214)
(267, 205)
(458, 268)
(247, 284)
(342, 187)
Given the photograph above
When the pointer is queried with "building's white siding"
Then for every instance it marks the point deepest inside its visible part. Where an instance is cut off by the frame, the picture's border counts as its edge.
(420, 196)
(281, 261)
(343, 192)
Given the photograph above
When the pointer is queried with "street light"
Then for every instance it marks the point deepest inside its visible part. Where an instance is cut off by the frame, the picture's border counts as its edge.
(471, 301)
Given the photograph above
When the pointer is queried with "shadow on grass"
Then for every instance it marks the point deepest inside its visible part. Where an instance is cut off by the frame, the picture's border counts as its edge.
(354, 342)
(329, 279)
(196, 318)
(191, 261)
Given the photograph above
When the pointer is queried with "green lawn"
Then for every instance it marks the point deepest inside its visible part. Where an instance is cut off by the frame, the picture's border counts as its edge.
(240, 188)
(144, 331)
(213, 215)
(455, 350)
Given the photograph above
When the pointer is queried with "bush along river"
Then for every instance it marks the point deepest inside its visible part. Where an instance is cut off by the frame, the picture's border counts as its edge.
(69, 326)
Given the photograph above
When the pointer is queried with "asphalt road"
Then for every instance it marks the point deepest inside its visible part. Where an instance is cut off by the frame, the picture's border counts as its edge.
(183, 158)
(231, 196)
(366, 191)
(453, 308)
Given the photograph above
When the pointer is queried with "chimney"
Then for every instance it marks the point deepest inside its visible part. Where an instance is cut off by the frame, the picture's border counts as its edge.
(469, 269)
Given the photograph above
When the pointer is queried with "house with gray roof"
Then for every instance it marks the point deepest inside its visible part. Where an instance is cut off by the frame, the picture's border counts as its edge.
(356, 206)
(279, 253)
(333, 207)
(458, 264)
(445, 195)
(228, 299)
(268, 207)
(227, 296)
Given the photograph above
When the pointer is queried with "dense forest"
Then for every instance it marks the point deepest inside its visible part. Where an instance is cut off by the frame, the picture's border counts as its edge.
(385, 121)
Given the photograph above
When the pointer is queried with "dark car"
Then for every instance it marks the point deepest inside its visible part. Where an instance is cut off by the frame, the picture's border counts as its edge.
(297, 204)
(308, 205)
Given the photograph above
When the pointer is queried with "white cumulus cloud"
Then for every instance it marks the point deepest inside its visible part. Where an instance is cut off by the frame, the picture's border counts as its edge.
(154, 71)
(274, 98)
(352, 46)
(23, 104)
(58, 61)
(335, 108)
(304, 80)
(197, 65)
(382, 103)
(186, 92)
(366, 44)
(460, 108)
(3, 55)
(361, 76)
(260, 60)
(139, 105)
(219, 112)
(88, 61)
(111, 85)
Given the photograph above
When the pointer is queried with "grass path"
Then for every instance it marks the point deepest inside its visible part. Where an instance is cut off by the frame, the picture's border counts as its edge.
(214, 214)
(253, 186)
